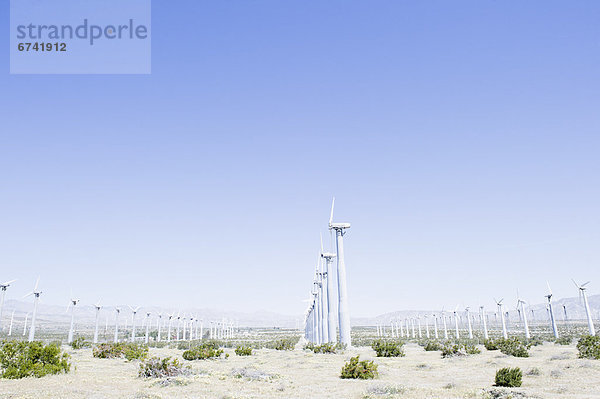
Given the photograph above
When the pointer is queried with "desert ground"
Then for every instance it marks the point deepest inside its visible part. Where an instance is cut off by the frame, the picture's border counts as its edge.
(552, 371)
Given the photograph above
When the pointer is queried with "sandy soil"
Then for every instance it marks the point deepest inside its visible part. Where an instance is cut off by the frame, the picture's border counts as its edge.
(301, 374)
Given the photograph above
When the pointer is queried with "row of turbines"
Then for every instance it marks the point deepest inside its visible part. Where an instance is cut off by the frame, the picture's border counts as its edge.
(176, 326)
(412, 327)
(320, 317)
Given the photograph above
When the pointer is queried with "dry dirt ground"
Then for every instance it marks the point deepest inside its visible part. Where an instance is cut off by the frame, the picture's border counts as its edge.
(301, 374)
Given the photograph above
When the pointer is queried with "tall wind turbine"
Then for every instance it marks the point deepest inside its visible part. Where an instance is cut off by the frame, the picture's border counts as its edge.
(483, 321)
(117, 312)
(504, 332)
(435, 328)
(36, 297)
(521, 303)
(72, 304)
(169, 328)
(3, 287)
(343, 312)
(331, 328)
(582, 295)
(456, 322)
(445, 326)
(469, 323)
(147, 328)
(551, 311)
(12, 317)
(158, 323)
(134, 312)
(98, 307)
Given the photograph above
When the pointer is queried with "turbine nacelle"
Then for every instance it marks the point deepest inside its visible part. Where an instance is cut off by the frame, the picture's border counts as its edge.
(339, 226)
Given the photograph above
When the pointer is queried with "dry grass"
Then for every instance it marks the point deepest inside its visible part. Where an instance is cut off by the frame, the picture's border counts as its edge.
(299, 374)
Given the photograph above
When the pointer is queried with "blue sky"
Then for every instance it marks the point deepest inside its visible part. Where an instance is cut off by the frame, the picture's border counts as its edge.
(461, 139)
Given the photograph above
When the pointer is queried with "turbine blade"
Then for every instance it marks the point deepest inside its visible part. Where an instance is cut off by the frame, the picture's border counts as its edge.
(331, 215)
(37, 282)
(584, 284)
(7, 283)
(321, 235)
(574, 282)
(549, 289)
(26, 295)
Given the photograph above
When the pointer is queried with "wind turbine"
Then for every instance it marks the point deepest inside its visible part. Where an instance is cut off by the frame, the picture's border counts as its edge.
(445, 327)
(3, 287)
(36, 297)
(483, 321)
(456, 322)
(117, 312)
(426, 326)
(521, 303)
(582, 289)
(435, 328)
(169, 330)
(551, 311)
(25, 324)
(147, 328)
(469, 323)
(12, 317)
(504, 332)
(98, 307)
(158, 323)
(344, 315)
(134, 312)
(329, 256)
(72, 303)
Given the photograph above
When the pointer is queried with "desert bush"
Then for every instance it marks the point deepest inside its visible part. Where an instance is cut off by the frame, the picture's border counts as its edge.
(283, 344)
(509, 377)
(450, 349)
(513, 347)
(326, 348)
(388, 348)
(207, 350)
(534, 341)
(80, 343)
(359, 369)
(471, 349)
(243, 350)
(589, 347)
(128, 350)
(156, 367)
(309, 346)
(564, 340)
(490, 345)
(20, 359)
(433, 346)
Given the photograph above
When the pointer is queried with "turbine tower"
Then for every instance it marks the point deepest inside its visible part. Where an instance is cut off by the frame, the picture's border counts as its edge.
(134, 312)
(551, 311)
(147, 328)
(98, 307)
(331, 328)
(72, 303)
(582, 295)
(504, 332)
(36, 297)
(12, 317)
(117, 312)
(456, 322)
(469, 323)
(159, 322)
(3, 287)
(343, 312)
(485, 330)
(521, 303)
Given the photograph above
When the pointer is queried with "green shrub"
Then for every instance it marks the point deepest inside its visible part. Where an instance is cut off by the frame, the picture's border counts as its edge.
(158, 368)
(451, 349)
(508, 377)
(513, 347)
(564, 340)
(128, 350)
(20, 359)
(80, 343)
(310, 346)
(589, 347)
(388, 348)
(471, 349)
(356, 369)
(490, 345)
(534, 341)
(243, 350)
(326, 348)
(207, 350)
(284, 344)
(433, 346)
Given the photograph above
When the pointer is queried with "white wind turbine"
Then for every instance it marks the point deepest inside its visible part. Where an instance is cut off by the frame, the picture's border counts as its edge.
(36, 297)
(435, 327)
(97, 307)
(445, 326)
(178, 326)
(343, 312)
(521, 304)
(582, 295)
(499, 303)
(117, 312)
(469, 323)
(133, 313)
(72, 304)
(169, 328)
(158, 325)
(12, 317)
(3, 287)
(147, 321)
(551, 311)
(25, 324)
(483, 321)
(331, 327)
(456, 322)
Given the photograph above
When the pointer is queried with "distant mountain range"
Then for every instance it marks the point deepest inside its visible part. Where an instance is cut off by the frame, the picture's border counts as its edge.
(85, 314)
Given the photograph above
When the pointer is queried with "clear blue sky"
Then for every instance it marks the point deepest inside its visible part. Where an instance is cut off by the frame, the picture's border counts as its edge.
(461, 139)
